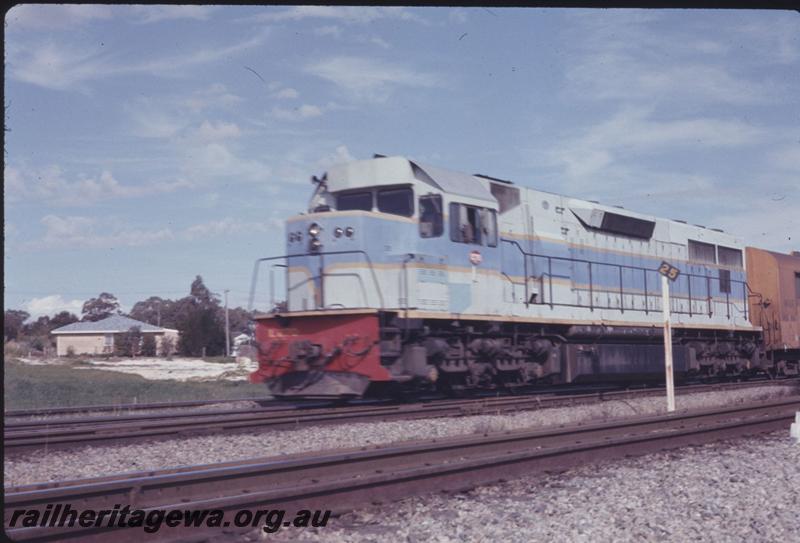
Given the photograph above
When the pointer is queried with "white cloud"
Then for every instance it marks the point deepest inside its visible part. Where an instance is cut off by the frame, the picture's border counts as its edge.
(380, 42)
(329, 30)
(77, 232)
(623, 76)
(339, 155)
(638, 56)
(49, 185)
(346, 14)
(60, 67)
(229, 226)
(50, 305)
(210, 131)
(786, 158)
(286, 94)
(368, 78)
(336, 32)
(24, 16)
(633, 131)
(151, 121)
(216, 95)
(153, 14)
(58, 16)
(215, 163)
(457, 16)
(306, 111)
(86, 232)
(774, 39)
(762, 220)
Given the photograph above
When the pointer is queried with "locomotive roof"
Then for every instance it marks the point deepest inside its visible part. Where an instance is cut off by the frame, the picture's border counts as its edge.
(396, 170)
(400, 170)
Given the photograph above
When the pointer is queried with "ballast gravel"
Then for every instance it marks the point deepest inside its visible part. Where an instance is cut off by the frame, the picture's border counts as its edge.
(86, 462)
(745, 491)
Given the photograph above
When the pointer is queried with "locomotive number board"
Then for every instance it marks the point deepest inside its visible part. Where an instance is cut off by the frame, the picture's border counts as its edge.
(669, 271)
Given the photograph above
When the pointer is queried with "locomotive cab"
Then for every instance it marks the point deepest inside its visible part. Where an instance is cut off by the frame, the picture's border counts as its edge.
(385, 233)
(381, 238)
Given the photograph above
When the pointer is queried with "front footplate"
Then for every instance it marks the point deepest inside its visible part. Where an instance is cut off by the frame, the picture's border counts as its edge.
(318, 384)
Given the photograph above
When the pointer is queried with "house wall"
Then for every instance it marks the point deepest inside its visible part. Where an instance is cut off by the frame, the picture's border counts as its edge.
(95, 343)
(81, 344)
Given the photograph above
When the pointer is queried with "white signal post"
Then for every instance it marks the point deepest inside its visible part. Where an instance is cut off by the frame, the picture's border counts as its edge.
(668, 273)
(667, 345)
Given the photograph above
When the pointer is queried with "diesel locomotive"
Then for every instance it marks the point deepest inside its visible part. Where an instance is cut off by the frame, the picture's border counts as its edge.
(407, 275)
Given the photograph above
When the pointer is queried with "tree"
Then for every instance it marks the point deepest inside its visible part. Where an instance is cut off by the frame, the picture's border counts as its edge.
(39, 327)
(240, 320)
(13, 320)
(201, 330)
(201, 294)
(129, 343)
(101, 307)
(149, 345)
(154, 310)
(62, 319)
(200, 321)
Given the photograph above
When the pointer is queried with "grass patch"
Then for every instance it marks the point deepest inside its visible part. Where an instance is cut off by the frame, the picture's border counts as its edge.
(32, 387)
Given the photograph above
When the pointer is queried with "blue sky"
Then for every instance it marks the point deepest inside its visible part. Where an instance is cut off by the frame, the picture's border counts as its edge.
(150, 144)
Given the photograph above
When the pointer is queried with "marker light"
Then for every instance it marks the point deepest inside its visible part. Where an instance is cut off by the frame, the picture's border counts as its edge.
(315, 244)
(314, 229)
(349, 231)
(338, 232)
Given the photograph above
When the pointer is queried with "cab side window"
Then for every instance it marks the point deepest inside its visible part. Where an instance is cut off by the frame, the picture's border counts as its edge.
(473, 225)
(430, 216)
(489, 225)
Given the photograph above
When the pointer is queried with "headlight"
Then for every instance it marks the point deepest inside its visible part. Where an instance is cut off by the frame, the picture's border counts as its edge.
(349, 231)
(338, 232)
(314, 230)
(315, 244)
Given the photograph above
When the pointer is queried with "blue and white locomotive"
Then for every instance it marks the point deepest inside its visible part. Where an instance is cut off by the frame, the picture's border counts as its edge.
(404, 273)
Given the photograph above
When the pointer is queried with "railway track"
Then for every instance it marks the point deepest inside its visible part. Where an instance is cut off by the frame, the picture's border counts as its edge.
(341, 480)
(121, 408)
(27, 435)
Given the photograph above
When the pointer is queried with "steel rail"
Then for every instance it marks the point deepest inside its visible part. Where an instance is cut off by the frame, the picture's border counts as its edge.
(116, 408)
(24, 436)
(340, 480)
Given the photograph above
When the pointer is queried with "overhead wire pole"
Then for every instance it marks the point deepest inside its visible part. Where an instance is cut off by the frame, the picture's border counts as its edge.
(227, 326)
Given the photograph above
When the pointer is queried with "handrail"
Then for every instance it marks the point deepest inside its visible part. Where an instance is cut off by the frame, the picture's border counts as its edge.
(257, 264)
(620, 267)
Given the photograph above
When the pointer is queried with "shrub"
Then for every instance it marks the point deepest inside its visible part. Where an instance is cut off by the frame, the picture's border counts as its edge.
(129, 343)
(70, 352)
(167, 347)
(149, 345)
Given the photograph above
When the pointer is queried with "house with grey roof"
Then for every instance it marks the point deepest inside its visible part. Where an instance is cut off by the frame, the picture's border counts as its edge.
(98, 337)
